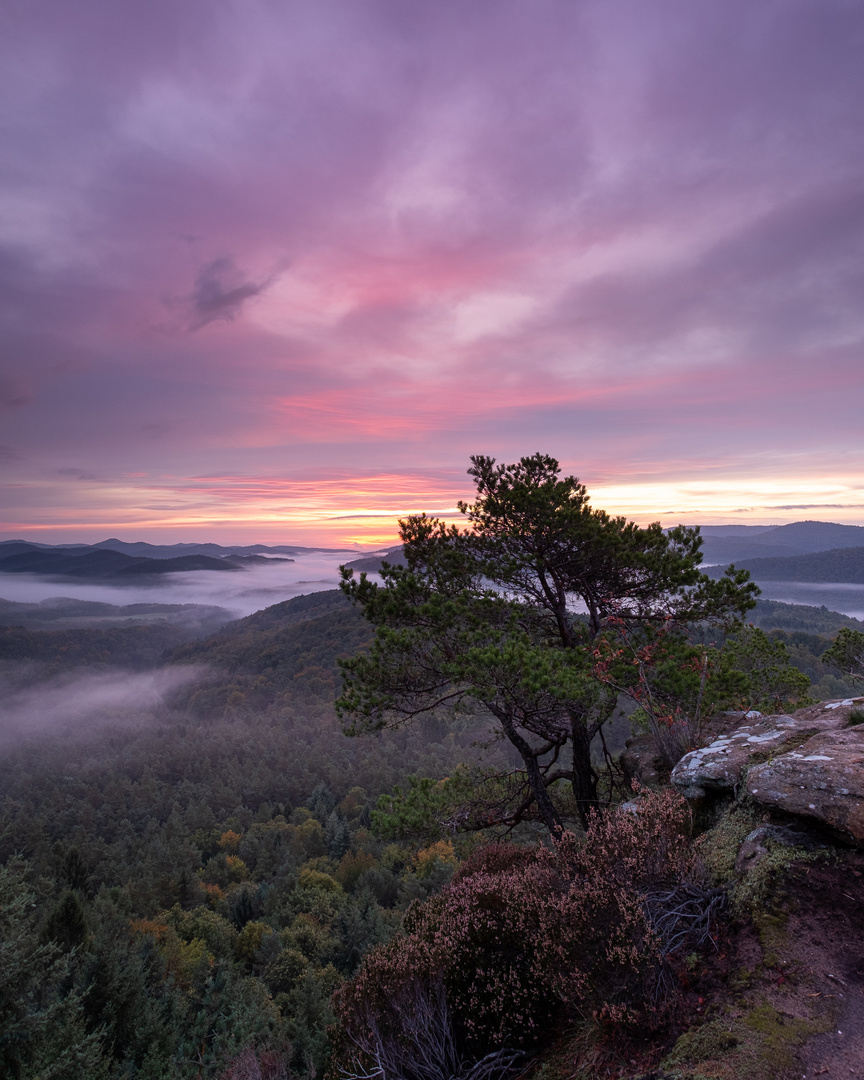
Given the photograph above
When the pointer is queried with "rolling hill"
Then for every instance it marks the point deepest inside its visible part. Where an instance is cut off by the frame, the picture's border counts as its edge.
(106, 563)
(840, 565)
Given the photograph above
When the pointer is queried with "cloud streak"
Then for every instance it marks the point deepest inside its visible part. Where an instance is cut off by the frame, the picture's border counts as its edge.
(220, 293)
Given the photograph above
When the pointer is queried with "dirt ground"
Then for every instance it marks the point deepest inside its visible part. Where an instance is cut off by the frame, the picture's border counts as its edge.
(826, 940)
(788, 1000)
(797, 981)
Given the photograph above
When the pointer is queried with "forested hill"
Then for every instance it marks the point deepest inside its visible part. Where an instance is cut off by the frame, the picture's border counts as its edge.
(177, 886)
(290, 612)
(775, 615)
(114, 565)
(182, 889)
(842, 565)
(66, 613)
(282, 657)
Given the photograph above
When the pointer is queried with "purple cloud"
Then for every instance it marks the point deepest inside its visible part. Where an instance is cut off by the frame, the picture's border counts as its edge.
(631, 235)
(220, 293)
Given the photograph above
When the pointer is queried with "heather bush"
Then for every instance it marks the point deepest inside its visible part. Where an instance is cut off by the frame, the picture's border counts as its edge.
(250, 1064)
(525, 936)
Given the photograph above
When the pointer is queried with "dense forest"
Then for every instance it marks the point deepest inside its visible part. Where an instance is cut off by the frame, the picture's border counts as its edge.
(187, 882)
(190, 884)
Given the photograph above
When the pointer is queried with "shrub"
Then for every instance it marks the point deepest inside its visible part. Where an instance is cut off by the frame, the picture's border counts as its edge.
(521, 936)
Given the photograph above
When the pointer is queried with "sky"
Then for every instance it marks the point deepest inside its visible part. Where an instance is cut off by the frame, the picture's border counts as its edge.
(272, 271)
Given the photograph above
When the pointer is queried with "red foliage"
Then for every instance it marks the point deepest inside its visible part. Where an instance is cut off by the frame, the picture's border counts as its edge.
(252, 1065)
(521, 935)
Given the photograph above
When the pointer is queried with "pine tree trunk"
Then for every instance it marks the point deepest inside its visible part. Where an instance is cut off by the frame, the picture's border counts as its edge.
(545, 807)
(584, 778)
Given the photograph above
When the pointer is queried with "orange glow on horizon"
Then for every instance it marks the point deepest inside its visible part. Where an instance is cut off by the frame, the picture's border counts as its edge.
(338, 510)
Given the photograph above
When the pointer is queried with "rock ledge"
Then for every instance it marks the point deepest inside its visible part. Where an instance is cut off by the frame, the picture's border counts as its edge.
(814, 767)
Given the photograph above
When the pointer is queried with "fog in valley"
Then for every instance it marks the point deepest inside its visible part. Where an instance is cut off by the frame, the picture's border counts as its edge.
(69, 701)
(123, 686)
(239, 592)
(38, 698)
(843, 597)
(260, 585)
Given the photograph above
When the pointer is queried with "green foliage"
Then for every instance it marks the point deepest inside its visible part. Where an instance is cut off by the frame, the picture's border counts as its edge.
(483, 621)
(201, 882)
(682, 677)
(43, 1032)
(53, 651)
(836, 565)
(847, 653)
(471, 798)
(179, 896)
(769, 682)
(759, 1045)
(718, 846)
(282, 661)
(67, 924)
(712, 1040)
(799, 618)
(752, 896)
(202, 924)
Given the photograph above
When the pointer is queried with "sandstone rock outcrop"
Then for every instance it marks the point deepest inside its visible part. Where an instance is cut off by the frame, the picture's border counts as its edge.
(718, 768)
(639, 761)
(822, 780)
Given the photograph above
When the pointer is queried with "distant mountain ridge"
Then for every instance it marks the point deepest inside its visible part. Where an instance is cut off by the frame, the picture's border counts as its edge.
(165, 551)
(106, 563)
(120, 562)
(727, 543)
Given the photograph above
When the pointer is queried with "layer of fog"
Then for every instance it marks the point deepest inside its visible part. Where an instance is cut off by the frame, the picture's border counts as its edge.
(239, 591)
(843, 597)
(71, 701)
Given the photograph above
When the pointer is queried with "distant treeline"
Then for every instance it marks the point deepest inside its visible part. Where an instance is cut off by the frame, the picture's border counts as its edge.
(841, 565)
(285, 656)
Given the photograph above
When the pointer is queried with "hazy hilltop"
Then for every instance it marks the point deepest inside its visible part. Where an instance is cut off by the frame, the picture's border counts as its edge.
(733, 543)
(371, 564)
(118, 562)
(158, 551)
(108, 564)
(69, 613)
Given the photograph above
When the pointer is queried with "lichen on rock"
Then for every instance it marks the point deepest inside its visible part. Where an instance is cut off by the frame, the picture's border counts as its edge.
(822, 780)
